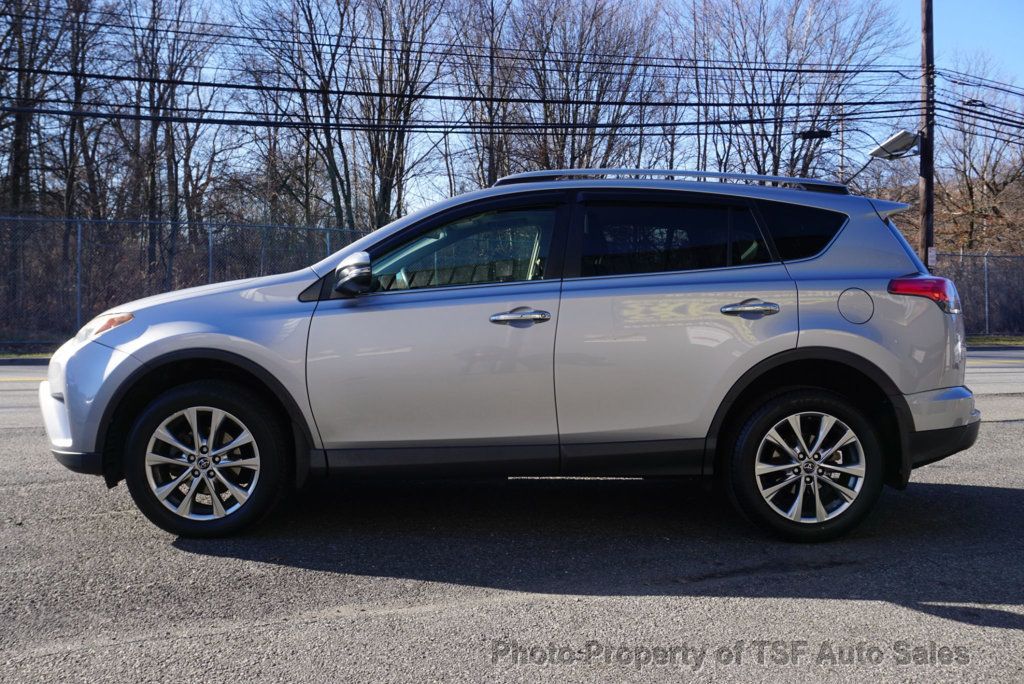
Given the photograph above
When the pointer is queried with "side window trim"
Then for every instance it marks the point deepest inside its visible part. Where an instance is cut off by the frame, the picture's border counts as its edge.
(574, 244)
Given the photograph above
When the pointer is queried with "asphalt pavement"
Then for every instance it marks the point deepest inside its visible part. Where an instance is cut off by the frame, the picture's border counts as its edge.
(520, 580)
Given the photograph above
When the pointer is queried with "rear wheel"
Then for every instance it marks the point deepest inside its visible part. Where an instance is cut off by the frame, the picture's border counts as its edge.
(205, 459)
(806, 465)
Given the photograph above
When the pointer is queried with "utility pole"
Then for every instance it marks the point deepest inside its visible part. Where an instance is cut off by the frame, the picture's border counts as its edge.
(926, 145)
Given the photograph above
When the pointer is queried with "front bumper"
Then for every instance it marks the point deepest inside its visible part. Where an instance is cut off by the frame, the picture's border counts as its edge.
(929, 446)
(81, 382)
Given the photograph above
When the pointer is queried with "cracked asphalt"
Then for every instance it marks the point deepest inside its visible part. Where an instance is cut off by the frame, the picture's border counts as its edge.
(520, 580)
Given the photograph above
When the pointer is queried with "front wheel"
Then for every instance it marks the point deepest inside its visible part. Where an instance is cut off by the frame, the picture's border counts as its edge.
(206, 460)
(807, 465)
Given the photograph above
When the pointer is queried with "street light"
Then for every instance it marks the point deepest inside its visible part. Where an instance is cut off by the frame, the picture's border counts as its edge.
(896, 146)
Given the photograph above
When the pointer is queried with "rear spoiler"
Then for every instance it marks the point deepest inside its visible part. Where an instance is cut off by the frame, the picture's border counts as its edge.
(885, 208)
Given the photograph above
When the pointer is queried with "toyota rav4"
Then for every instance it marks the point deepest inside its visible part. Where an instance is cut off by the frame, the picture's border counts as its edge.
(777, 334)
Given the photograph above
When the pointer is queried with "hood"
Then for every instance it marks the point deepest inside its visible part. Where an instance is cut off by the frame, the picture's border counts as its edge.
(245, 287)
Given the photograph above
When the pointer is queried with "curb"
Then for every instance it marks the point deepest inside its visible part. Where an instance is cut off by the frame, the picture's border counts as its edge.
(25, 362)
(995, 347)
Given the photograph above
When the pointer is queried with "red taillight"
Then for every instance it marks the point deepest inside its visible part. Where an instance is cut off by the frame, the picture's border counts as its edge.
(939, 290)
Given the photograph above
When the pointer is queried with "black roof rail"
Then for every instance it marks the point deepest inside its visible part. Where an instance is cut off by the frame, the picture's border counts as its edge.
(811, 184)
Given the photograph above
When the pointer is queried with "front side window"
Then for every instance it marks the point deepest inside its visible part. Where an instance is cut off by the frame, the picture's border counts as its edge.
(625, 238)
(497, 246)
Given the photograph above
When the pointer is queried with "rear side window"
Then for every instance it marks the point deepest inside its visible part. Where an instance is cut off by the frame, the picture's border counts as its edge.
(620, 239)
(800, 232)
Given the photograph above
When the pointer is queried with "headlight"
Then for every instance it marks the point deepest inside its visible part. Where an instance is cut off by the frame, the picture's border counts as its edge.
(102, 324)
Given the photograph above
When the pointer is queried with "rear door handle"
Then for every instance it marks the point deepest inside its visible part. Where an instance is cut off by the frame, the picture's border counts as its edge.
(750, 307)
(521, 315)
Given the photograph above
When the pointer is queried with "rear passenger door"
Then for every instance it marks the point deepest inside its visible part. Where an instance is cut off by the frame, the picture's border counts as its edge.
(668, 298)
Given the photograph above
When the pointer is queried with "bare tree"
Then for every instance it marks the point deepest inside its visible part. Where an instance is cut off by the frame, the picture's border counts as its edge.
(981, 167)
(394, 74)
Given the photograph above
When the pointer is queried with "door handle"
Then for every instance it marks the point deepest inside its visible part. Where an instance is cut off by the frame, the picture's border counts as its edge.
(750, 307)
(521, 315)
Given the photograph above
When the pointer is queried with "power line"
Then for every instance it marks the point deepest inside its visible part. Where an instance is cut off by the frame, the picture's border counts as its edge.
(193, 83)
(433, 127)
(573, 56)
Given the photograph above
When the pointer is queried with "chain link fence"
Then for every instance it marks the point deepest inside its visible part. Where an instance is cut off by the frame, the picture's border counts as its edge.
(59, 273)
(990, 289)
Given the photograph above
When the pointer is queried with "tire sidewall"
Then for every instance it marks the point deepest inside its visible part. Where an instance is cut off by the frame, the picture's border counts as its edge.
(262, 424)
(743, 484)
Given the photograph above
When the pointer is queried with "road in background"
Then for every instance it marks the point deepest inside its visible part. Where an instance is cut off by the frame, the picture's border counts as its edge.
(430, 581)
(997, 379)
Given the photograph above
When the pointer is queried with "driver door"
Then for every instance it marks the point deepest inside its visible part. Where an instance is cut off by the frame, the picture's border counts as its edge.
(448, 360)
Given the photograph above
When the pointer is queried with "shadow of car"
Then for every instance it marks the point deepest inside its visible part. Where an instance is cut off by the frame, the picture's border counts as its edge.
(946, 550)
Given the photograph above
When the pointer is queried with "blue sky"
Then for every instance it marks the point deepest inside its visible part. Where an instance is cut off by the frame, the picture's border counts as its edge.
(995, 27)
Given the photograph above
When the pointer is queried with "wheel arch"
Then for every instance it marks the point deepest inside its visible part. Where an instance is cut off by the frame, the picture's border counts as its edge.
(844, 372)
(182, 366)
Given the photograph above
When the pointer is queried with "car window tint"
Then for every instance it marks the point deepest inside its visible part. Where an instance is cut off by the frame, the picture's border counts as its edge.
(623, 238)
(490, 247)
(800, 232)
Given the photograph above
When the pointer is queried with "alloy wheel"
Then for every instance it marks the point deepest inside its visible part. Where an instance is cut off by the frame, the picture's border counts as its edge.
(202, 463)
(810, 467)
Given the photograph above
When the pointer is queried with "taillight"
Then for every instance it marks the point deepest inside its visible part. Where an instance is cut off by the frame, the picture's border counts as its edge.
(939, 290)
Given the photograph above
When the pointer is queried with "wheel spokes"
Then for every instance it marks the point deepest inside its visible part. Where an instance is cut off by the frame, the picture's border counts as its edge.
(188, 440)
(775, 489)
(216, 503)
(240, 494)
(767, 468)
(163, 491)
(156, 459)
(819, 509)
(823, 429)
(854, 470)
(775, 438)
(792, 459)
(250, 463)
(794, 423)
(167, 438)
(185, 507)
(848, 494)
(192, 416)
(848, 438)
(216, 418)
(239, 441)
(795, 511)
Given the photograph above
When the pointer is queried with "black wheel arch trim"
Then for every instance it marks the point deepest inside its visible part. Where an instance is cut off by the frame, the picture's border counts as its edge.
(904, 418)
(305, 454)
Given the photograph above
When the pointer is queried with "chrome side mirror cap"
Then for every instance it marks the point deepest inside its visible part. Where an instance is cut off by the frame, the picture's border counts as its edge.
(353, 275)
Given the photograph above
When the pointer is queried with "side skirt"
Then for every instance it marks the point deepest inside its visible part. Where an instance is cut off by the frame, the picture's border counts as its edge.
(660, 458)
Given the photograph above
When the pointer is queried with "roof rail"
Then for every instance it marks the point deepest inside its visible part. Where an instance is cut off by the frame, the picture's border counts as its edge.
(812, 184)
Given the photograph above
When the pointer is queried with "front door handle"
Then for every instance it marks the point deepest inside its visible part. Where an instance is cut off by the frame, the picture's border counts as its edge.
(750, 307)
(521, 315)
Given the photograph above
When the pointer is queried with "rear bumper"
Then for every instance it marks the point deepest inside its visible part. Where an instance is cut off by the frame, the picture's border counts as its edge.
(928, 446)
(89, 463)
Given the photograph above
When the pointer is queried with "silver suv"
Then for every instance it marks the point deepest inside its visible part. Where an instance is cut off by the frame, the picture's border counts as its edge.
(777, 333)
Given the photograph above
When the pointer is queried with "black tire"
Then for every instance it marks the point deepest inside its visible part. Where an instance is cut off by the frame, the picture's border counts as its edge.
(742, 484)
(269, 436)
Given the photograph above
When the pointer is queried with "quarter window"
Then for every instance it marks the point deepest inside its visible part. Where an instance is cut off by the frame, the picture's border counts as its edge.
(800, 232)
(490, 247)
(629, 238)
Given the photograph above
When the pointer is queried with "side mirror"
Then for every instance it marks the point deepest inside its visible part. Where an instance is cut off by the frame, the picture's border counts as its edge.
(353, 275)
